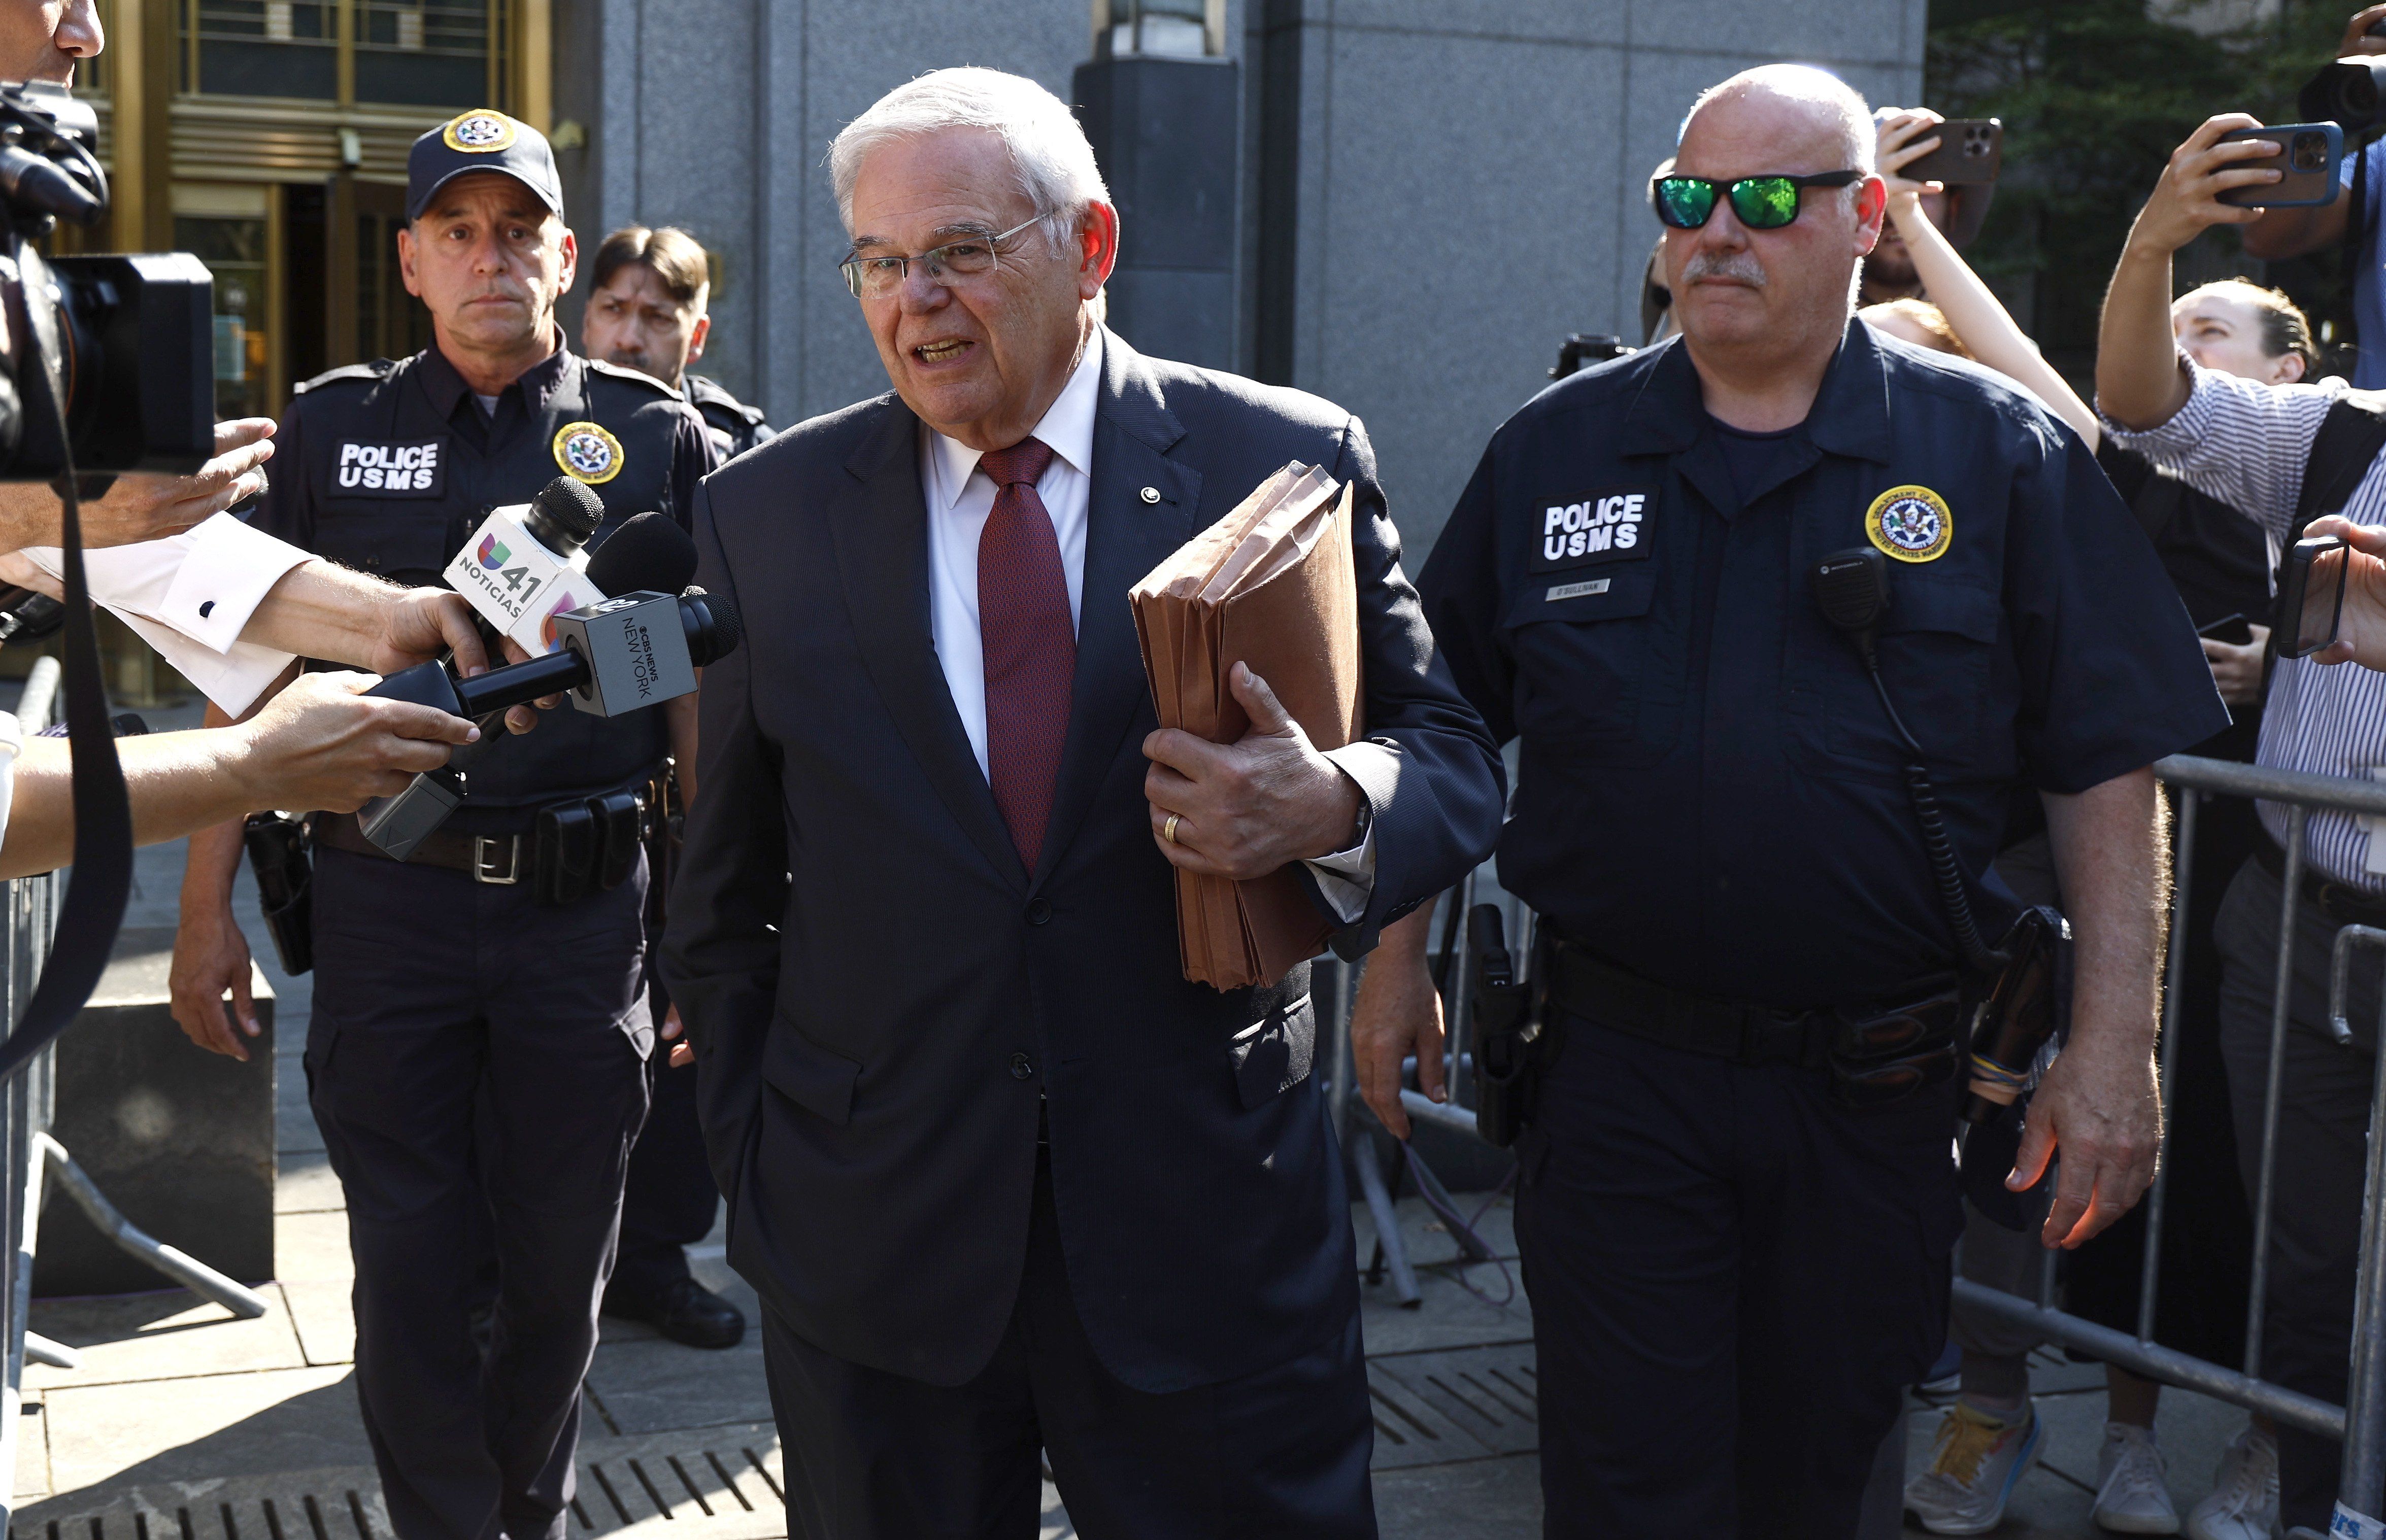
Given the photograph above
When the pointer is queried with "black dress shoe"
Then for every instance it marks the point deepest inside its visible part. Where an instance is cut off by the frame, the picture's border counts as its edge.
(686, 1312)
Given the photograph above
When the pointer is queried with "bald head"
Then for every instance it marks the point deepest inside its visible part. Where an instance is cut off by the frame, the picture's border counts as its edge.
(1791, 103)
(1772, 301)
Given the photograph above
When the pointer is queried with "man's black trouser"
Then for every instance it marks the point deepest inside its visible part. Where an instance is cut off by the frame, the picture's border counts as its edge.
(1278, 1455)
(1733, 1278)
(671, 1199)
(2316, 1193)
(469, 1048)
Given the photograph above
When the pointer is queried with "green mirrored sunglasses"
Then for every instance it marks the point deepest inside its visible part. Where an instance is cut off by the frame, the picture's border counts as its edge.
(1760, 203)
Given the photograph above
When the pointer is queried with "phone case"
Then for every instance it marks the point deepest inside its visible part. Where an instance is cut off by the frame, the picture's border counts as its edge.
(1970, 150)
(2310, 155)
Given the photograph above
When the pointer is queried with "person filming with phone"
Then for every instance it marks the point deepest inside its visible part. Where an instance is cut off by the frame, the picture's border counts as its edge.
(2286, 455)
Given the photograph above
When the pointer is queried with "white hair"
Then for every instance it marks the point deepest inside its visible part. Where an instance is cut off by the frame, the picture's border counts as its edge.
(1047, 147)
(1805, 84)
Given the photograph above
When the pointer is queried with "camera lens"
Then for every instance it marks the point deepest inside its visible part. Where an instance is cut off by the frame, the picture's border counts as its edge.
(2308, 152)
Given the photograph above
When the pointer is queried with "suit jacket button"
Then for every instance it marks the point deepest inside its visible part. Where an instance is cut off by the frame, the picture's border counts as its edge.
(1040, 911)
(1022, 1066)
(1151, 495)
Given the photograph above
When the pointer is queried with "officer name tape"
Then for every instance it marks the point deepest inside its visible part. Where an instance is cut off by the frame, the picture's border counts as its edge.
(1596, 528)
(411, 469)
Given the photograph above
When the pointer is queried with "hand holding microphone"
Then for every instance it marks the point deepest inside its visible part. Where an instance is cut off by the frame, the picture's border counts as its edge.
(613, 657)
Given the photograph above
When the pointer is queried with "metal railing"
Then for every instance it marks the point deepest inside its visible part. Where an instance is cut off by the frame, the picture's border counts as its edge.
(2361, 1422)
(28, 914)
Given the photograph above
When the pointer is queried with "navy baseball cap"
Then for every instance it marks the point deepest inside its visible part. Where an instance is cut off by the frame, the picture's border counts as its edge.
(480, 140)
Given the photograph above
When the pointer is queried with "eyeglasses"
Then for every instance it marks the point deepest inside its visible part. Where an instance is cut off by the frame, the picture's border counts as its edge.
(876, 277)
(1760, 203)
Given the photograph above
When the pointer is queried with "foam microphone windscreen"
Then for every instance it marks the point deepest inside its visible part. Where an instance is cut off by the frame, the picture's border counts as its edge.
(574, 506)
(649, 552)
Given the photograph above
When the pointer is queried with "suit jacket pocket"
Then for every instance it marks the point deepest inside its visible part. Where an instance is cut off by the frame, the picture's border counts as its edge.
(814, 1078)
(1275, 1053)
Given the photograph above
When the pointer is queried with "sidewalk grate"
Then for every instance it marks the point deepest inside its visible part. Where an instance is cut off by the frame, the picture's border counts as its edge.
(1461, 1403)
(701, 1484)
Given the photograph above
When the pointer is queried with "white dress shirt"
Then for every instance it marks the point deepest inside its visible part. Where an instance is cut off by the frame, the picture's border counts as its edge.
(961, 497)
(189, 595)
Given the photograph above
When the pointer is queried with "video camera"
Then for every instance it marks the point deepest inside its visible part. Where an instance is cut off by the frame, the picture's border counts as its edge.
(2347, 93)
(127, 341)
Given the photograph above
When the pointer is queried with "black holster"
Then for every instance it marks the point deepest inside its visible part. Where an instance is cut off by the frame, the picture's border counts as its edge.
(278, 854)
(1507, 1031)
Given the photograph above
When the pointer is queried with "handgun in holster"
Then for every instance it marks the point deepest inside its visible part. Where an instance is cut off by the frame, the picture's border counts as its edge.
(278, 848)
(1507, 1031)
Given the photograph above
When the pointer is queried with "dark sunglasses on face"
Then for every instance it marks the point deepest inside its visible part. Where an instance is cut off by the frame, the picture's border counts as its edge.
(1760, 203)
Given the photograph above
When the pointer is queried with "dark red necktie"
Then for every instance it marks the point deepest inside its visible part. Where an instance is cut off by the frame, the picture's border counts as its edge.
(1030, 645)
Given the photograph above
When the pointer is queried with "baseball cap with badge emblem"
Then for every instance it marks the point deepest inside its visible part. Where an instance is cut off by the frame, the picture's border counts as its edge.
(480, 140)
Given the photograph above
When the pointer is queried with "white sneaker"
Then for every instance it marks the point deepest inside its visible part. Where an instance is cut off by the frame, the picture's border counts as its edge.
(1976, 1463)
(2131, 1497)
(2244, 1501)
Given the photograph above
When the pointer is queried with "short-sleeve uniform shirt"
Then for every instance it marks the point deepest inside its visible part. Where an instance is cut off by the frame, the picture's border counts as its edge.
(1708, 791)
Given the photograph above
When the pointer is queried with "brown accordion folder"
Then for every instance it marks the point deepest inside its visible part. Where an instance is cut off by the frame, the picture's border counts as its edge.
(1269, 585)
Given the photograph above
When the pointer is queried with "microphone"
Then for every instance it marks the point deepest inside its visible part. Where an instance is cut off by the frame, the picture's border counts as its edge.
(649, 552)
(614, 656)
(527, 563)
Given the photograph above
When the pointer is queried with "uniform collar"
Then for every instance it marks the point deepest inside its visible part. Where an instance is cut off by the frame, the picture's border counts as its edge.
(445, 387)
(1850, 415)
(1067, 429)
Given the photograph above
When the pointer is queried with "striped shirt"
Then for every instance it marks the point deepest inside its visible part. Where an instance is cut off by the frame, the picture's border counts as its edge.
(2246, 444)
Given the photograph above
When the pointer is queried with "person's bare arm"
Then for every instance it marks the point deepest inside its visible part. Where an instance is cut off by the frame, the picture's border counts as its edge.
(142, 507)
(319, 743)
(322, 609)
(1398, 1013)
(2098, 1107)
(2138, 383)
(1975, 313)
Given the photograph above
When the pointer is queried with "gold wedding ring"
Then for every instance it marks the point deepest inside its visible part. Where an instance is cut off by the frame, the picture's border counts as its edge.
(1168, 830)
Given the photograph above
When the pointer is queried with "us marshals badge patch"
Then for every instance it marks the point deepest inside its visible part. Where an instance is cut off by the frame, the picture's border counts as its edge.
(588, 453)
(483, 131)
(1910, 523)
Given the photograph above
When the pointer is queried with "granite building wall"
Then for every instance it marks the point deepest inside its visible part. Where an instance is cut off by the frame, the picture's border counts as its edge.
(1435, 191)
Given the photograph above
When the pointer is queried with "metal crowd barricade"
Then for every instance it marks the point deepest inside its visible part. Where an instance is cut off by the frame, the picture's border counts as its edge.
(28, 913)
(2361, 1422)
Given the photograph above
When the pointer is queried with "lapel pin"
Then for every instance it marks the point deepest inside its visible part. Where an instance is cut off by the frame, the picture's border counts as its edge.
(1151, 495)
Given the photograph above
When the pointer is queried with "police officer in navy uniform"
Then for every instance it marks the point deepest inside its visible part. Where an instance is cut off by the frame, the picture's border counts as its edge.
(476, 1057)
(649, 294)
(1736, 1231)
(649, 308)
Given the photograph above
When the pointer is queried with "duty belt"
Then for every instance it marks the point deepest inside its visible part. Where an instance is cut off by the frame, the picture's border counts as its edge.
(498, 860)
(1608, 996)
(2344, 904)
(1858, 1043)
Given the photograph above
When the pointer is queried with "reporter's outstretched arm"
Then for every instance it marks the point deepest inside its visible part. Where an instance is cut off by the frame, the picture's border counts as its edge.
(2138, 381)
(142, 507)
(321, 743)
(1975, 313)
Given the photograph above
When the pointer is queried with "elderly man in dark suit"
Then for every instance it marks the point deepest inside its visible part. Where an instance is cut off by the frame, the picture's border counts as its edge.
(1003, 1177)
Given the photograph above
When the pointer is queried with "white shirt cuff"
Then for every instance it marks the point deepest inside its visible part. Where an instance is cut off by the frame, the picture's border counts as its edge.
(1347, 878)
(190, 595)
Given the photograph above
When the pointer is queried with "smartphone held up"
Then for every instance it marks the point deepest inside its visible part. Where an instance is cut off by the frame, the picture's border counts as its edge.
(2311, 596)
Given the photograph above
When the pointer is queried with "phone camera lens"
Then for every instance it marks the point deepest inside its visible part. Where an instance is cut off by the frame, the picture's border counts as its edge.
(2308, 152)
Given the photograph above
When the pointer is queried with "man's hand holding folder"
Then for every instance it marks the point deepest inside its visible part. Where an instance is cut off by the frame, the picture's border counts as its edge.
(1250, 642)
